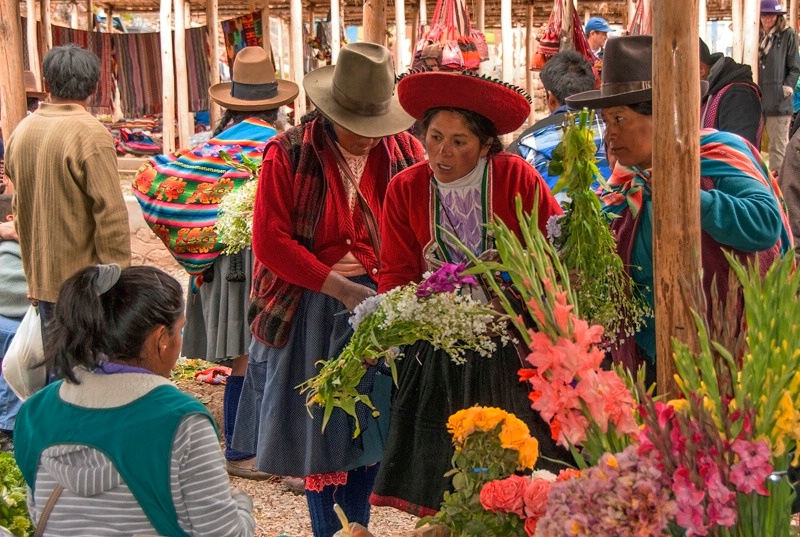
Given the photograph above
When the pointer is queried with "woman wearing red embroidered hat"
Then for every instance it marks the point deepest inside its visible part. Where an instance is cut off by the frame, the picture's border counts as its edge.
(466, 181)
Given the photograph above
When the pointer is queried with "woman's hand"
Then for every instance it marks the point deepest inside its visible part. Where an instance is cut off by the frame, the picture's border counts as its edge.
(351, 294)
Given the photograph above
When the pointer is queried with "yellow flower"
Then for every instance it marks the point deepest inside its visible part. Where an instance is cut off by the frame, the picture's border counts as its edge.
(680, 405)
(461, 425)
(488, 418)
(528, 454)
(514, 433)
(612, 461)
(787, 423)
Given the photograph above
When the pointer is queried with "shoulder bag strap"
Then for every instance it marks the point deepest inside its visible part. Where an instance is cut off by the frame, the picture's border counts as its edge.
(367, 215)
(51, 501)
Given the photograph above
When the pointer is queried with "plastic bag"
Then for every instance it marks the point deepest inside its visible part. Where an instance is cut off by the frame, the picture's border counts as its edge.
(23, 364)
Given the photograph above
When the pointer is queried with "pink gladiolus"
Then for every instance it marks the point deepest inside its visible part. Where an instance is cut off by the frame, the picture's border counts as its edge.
(445, 280)
(753, 468)
(690, 503)
(608, 400)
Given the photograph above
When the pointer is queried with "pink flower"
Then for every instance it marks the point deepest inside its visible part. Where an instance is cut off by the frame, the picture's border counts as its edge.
(689, 501)
(530, 526)
(753, 468)
(535, 497)
(608, 400)
(445, 280)
(504, 495)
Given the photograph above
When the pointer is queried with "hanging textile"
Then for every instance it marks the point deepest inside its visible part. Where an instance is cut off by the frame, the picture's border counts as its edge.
(640, 23)
(198, 71)
(451, 44)
(243, 31)
(139, 73)
(552, 35)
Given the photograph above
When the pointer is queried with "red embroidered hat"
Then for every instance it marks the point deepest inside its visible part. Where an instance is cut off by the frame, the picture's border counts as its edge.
(503, 104)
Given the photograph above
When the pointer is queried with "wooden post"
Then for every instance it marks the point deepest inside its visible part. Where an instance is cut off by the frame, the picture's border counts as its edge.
(529, 60)
(12, 88)
(109, 19)
(399, 36)
(702, 21)
(266, 28)
(73, 15)
(212, 25)
(737, 12)
(414, 33)
(793, 14)
(33, 41)
(185, 118)
(296, 36)
(252, 6)
(676, 176)
(312, 18)
(480, 15)
(631, 12)
(568, 9)
(751, 19)
(281, 33)
(505, 32)
(423, 13)
(167, 77)
(47, 26)
(336, 30)
(375, 21)
(90, 15)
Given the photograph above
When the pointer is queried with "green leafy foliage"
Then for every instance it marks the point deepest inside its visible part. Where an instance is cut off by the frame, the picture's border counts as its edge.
(13, 507)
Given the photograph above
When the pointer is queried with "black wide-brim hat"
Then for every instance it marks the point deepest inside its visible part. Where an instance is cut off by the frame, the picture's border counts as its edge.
(627, 75)
(503, 104)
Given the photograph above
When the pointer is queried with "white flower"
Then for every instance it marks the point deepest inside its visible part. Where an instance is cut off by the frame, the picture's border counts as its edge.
(366, 307)
(554, 227)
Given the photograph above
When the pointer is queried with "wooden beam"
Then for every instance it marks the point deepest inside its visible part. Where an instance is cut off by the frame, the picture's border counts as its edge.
(90, 15)
(212, 25)
(375, 21)
(399, 36)
(414, 34)
(751, 19)
(423, 13)
(266, 29)
(568, 10)
(529, 36)
(793, 14)
(296, 37)
(12, 88)
(32, 38)
(702, 21)
(47, 26)
(737, 13)
(281, 33)
(336, 30)
(631, 13)
(167, 78)
(185, 118)
(109, 19)
(480, 14)
(676, 157)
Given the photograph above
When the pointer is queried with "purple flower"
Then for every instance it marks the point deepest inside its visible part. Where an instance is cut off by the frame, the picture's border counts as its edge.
(445, 280)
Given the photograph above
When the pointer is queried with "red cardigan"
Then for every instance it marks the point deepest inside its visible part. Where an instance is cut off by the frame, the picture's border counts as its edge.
(406, 229)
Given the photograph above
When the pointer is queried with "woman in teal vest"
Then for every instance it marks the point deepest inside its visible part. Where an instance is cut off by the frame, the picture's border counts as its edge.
(115, 447)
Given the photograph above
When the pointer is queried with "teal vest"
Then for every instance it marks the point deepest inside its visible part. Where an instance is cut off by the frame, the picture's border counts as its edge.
(136, 437)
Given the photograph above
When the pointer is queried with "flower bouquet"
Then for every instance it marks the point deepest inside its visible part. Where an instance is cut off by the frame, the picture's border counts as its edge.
(434, 310)
(13, 507)
(235, 222)
(607, 296)
(489, 497)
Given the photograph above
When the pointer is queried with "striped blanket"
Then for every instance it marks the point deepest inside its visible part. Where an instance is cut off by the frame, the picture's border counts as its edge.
(180, 193)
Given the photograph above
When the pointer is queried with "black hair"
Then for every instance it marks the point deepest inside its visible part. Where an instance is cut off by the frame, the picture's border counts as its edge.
(645, 108)
(5, 206)
(567, 73)
(71, 72)
(479, 125)
(232, 117)
(88, 326)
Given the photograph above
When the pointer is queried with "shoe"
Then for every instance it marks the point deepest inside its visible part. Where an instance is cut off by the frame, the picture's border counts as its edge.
(295, 485)
(246, 470)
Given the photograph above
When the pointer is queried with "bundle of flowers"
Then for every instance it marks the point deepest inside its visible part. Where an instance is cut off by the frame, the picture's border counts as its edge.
(434, 310)
(489, 498)
(607, 295)
(13, 507)
(235, 222)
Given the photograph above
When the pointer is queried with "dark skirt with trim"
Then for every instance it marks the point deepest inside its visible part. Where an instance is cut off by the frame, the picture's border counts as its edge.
(431, 388)
(273, 421)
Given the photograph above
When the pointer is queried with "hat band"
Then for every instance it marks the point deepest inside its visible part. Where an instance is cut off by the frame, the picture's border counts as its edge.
(614, 88)
(358, 107)
(253, 92)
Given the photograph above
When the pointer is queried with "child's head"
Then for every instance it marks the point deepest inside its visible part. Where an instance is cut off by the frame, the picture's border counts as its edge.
(5, 208)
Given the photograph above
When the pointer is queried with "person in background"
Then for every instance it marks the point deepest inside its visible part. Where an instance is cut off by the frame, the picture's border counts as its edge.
(466, 181)
(778, 72)
(13, 305)
(597, 30)
(145, 458)
(796, 103)
(318, 207)
(739, 210)
(733, 101)
(68, 206)
(565, 74)
(216, 313)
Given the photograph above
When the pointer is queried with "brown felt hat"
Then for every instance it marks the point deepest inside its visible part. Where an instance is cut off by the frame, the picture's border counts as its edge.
(358, 92)
(253, 85)
(29, 80)
(627, 75)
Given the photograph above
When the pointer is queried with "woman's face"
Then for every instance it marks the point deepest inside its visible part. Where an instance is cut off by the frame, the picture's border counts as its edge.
(768, 21)
(453, 149)
(353, 143)
(629, 136)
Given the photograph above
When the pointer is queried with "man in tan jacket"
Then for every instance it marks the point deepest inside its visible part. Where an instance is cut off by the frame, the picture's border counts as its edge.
(69, 210)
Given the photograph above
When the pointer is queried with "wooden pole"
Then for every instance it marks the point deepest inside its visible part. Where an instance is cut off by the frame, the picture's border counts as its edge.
(793, 14)
(12, 88)
(529, 60)
(507, 39)
(568, 9)
(375, 21)
(423, 13)
(296, 36)
(281, 33)
(631, 13)
(33, 41)
(266, 28)
(89, 15)
(751, 19)
(47, 26)
(399, 36)
(336, 30)
(737, 12)
(167, 77)
(109, 19)
(73, 15)
(702, 21)
(480, 15)
(185, 122)
(414, 33)
(212, 25)
(676, 176)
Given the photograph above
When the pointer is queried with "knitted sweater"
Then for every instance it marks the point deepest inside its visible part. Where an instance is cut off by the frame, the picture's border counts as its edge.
(68, 207)
(14, 296)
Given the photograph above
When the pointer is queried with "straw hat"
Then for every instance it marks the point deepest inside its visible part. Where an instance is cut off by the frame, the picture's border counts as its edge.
(253, 85)
(504, 105)
(29, 79)
(358, 92)
(627, 75)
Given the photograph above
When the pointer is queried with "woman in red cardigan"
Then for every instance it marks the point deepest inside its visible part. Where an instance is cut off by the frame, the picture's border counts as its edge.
(466, 182)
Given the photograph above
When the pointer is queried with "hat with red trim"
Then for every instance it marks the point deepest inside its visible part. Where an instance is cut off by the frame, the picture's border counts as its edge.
(505, 105)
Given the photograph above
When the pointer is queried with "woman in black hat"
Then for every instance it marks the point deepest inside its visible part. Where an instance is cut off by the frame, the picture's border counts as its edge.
(315, 238)
(739, 209)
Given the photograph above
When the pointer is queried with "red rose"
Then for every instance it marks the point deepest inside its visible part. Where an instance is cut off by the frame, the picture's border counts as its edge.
(504, 495)
(535, 497)
(530, 525)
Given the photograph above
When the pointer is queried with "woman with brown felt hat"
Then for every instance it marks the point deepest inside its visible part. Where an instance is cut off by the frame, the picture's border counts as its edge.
(315, 236)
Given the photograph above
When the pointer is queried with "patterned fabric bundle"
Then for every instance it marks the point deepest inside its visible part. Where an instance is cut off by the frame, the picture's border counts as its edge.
(180, 193)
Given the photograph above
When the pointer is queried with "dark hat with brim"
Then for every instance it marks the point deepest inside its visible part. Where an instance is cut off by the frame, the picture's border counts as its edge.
(503, 104)
(627, 75)
(253, 85)
(358, 92)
